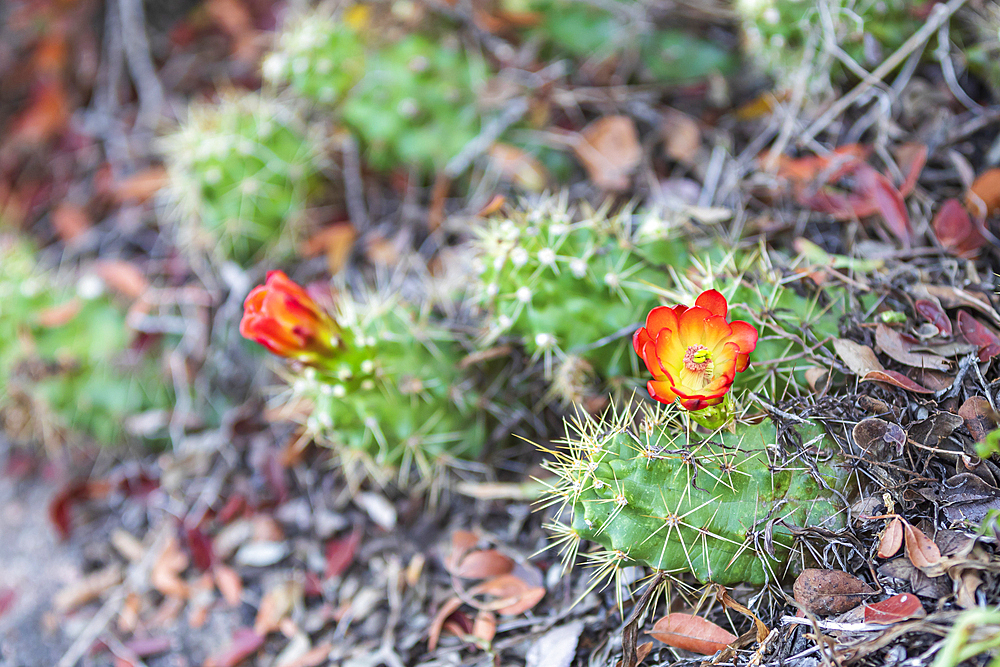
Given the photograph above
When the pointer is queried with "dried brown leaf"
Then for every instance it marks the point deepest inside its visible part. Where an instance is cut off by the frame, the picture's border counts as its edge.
(892, 539)
(485, 626)
(896, 379)
(859, 358)
(609, 150)
(450, 606)
(980, 417)
(920, 549)
(482, 564)
(829, 591)
(893, 344)
(692, 633)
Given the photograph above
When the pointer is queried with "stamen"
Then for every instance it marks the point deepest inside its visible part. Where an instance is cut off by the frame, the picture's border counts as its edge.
(697, 358)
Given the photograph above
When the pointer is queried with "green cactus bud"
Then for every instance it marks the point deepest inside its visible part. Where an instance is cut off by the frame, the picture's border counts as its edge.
(720, 506)
(240, 173)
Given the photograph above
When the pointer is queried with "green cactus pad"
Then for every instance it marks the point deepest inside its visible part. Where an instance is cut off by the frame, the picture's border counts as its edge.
(72, 378)
(561, 286)
(396, 398)
(240, 173)
(716, 506)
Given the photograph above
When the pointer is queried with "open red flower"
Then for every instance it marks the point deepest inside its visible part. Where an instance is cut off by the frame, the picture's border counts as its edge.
(282, 317)
(693, 353)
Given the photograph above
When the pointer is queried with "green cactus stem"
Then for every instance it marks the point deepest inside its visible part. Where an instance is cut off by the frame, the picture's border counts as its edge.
(718, 506)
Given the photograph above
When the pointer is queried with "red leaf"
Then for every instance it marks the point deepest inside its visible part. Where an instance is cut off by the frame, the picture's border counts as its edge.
(692, 633)
(8, 596)
(149, 646)
(933, 313)
(245, 643)
(956, 231)
(59, 508)
(481, 564)
(340, 553)
(200, 547)
(977, 333)
(911, 157)
(897, 608)
(896, 379)
(888, 201)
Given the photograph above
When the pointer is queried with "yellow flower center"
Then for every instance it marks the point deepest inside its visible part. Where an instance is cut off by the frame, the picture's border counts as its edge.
(697, 358)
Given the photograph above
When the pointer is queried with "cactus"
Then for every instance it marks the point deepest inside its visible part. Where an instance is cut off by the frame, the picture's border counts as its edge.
(596, 32)
(381, 382)
(240, 173)
(570, 291)
(411, 102)
(720, 507)
(781, 33)
(73, 376)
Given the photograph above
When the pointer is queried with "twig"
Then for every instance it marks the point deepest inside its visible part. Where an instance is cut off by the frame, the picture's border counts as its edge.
(939, 15)
(140, 62)
(775, 411)
(93, 629)
(963, 369)
(353, 184)
(489, 134)
(631, 631)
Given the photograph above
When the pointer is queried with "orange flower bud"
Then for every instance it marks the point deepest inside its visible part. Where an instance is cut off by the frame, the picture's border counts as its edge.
(282, 317)
(693, 353)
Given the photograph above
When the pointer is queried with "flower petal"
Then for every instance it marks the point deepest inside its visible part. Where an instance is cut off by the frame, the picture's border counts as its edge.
(639, 339)
(744, 335)
(692, 326)
(661, 391)
(659, 318)
(713, 301)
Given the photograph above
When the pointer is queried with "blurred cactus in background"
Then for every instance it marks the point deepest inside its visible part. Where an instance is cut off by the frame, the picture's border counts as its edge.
(571, 290)
(781, 34)
(240, 173)
(377, 380)
(411, 101)
(67, 367)
(721, 506)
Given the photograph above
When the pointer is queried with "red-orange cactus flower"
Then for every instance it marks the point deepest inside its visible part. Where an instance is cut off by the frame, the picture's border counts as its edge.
(282, 317)
(693, 353)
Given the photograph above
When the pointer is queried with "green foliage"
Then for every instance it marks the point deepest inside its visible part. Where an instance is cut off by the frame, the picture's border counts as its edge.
(71, 378)
(240, 172)
(781, 33)
(716, 506)
(411, 102)
(396, 397)
(601, 31)
(561, 286)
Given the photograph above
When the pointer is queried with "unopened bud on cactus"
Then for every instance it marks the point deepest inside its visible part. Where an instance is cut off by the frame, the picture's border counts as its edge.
(722, 506)
(381, 383)
(282, 317)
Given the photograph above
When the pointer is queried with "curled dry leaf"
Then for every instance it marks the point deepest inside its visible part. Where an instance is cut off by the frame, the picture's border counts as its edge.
(485, 626)
(61, 315)
(141, 185)
(122, 277)
(859, 358)
(681, 136)
(450, 606)
(228, 583)
(826, 592)
(518, 167)
(514, 595)
(980, 417)
(895, 609)
(956, 231)
(482, 564)
(692, 633)
(953, 297)
(931, 311)
(984, 193)
(70, 221)
(244, 644)
(899, 348)
(874, 434)
(892, 539)
(979, 334)
(340, 553)
(335, 241)
(609, 150)
(920, 549)
(896, 379)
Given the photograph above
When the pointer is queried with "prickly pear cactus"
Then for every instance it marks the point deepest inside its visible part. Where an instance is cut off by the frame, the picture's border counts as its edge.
(716, 506)
(396, 398)
(66, 367)
(240, 173)
(570, 290)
